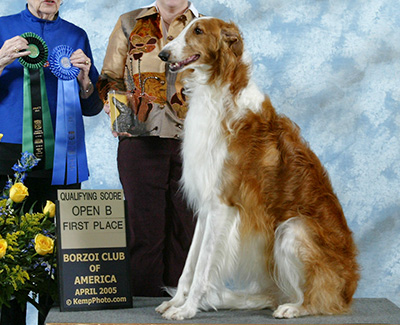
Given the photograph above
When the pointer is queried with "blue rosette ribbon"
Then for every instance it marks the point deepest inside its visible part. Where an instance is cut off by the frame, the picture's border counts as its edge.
(70, 161)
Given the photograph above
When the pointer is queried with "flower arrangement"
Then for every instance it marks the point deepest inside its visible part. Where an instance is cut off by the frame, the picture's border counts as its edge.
(27, 242)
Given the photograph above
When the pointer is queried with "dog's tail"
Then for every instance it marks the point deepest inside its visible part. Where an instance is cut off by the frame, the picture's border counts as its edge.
(170, 290)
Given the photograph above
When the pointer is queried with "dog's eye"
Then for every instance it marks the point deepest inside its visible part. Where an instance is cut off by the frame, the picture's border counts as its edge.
(198, 31)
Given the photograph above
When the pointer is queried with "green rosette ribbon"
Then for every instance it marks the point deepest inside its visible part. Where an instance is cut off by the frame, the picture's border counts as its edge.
(38, 135)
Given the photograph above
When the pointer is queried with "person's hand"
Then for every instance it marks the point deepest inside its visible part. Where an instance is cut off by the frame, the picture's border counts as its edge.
(80, 60)
(106, 108)
(13, 49)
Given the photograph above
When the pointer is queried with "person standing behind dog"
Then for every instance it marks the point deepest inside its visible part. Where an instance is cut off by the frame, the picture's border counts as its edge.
(149, 163)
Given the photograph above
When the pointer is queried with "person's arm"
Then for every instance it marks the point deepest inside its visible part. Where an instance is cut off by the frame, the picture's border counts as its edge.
(88, 75)
(112, 73)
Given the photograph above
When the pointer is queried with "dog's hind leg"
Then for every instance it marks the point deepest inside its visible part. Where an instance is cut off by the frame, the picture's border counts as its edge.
(249, 284)
(185, 280)
(217, 221)
(289, 268)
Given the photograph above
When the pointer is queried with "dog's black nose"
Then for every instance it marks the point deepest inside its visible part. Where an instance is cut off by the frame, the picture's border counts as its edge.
(164, 55)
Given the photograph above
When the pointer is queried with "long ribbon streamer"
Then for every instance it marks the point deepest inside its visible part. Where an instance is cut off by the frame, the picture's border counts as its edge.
(70, 161)
(36, 104)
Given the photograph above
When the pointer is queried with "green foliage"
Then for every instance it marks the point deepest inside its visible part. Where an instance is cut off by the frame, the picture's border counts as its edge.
(22, 270)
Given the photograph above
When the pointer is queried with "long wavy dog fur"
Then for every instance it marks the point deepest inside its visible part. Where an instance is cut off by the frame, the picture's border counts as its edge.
(271, 232)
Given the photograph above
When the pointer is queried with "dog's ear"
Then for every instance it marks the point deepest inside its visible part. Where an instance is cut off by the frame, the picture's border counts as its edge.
(230, 34)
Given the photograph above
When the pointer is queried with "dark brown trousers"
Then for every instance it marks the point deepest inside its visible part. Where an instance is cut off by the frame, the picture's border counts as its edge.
(159, 223)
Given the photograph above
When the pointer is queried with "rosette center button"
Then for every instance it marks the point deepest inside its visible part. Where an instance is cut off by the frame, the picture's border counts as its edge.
(65, 62)
(34, 51)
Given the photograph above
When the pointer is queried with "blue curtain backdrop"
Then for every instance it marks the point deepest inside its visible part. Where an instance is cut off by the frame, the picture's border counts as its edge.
(331, 66)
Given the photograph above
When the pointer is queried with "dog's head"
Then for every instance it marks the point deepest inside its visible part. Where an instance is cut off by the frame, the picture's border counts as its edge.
(204, 42)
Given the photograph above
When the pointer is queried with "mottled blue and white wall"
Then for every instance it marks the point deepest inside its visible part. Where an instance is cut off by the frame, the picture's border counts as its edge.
(331, 66)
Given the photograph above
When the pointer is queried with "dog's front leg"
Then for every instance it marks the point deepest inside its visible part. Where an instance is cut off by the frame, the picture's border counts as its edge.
(185, 280)
(214, 224)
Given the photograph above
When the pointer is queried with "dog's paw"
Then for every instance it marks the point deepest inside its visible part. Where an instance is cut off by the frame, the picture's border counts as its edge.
(177, 301)
(164, 307)
(289, 311)
(179, 313)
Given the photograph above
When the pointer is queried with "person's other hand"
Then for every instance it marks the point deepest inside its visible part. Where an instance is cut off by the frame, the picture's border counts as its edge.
(80, 60)
(13, 49)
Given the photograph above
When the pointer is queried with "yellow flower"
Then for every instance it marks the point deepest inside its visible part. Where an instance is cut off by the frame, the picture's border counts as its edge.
(50, 208)
(1, 135)
(3, 247)
(43, 244)
(18, 192)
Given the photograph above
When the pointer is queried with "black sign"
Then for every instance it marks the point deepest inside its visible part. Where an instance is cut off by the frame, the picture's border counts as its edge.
(93, 260)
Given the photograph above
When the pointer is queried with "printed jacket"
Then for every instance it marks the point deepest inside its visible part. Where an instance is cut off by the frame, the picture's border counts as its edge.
(132, 64)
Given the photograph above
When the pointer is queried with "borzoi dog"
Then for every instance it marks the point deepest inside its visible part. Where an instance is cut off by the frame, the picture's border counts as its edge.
(270, 232)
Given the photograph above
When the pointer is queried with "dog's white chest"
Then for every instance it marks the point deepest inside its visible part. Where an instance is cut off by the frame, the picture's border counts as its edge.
(204, 149)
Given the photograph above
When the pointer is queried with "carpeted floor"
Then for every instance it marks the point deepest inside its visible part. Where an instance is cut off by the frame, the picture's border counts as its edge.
(364, 311)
